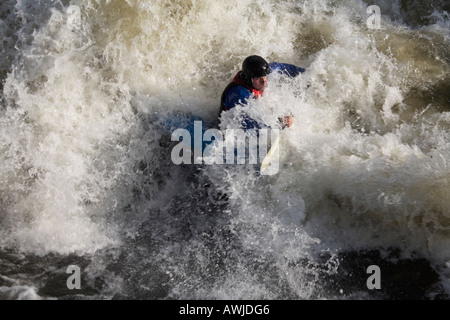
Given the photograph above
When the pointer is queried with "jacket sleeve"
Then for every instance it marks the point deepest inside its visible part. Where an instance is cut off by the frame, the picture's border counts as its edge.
(237, 95)
(240, 96)
(289, 69)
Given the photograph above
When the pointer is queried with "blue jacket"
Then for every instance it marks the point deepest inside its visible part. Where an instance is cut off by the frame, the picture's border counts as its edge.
(235, 95)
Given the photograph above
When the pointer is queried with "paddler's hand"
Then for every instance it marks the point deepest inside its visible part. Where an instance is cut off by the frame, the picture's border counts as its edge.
(286, 121)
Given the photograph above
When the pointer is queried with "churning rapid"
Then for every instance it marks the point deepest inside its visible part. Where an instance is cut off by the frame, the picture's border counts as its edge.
(87, 180)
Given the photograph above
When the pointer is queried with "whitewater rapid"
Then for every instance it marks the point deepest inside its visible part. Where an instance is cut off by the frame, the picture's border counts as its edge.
(86, 176)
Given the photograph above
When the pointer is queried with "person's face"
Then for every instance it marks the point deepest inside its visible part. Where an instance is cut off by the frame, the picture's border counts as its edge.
(259, 83)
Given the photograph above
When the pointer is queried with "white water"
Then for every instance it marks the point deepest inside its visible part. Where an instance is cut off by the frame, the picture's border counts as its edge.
(83, 169)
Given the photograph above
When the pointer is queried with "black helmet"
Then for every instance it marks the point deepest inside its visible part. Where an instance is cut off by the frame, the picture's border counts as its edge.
(254, 67)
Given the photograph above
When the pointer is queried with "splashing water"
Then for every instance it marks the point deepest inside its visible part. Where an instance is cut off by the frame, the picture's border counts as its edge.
(85, 170)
